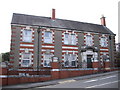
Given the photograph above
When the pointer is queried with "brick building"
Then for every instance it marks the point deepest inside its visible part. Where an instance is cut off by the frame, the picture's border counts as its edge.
(35, 40)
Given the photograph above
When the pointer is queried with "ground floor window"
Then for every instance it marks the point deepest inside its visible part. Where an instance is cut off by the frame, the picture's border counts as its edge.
(26, 60)
(47, 60)
(70, 60)
(105, 58)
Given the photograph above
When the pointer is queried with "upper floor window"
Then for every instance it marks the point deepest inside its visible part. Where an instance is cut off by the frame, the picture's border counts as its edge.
(70, 39)
(89, 41)
(27, 35)
(26, 59)
(103, 42)
(48, 37)
(66, 38)
(70, 60)
(47, 59)
(73, 39)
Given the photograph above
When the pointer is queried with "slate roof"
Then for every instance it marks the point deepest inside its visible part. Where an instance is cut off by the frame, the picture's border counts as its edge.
(24, 19)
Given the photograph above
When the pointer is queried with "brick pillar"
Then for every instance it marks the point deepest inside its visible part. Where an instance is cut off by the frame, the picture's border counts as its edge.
(55, 68)
(3, 78)
(95, 66)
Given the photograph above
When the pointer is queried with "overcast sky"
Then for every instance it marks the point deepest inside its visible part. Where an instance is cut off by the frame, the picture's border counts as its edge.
(78, 10)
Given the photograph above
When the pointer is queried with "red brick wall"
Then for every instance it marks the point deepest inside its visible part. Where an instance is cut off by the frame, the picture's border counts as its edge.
(107, 64)
(95, 64)
(54, 75)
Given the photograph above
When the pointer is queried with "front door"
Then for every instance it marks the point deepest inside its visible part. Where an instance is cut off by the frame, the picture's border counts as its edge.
(89, 61)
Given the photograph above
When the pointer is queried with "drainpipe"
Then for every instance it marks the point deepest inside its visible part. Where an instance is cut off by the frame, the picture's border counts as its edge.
(110, 52)
(38, 31)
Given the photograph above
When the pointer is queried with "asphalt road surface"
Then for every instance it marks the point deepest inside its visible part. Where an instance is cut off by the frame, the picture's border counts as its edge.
(108, 81)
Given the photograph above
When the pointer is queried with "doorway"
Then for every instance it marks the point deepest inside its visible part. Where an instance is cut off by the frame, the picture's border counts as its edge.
(89, 61)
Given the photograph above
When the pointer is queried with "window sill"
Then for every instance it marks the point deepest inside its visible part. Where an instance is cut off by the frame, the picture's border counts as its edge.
(90, 45)
(70, 66)
(104, 46)
(26, 66)
(46, 66)
(70, 44)
(26, 42)
(48, 43)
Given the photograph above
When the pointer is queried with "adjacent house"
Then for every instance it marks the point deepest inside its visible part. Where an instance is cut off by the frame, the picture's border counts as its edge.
(118, 47)
(35, 40)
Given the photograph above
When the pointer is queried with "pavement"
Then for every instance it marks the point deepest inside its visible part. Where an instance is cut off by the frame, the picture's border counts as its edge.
(102, 82)
(55, 82)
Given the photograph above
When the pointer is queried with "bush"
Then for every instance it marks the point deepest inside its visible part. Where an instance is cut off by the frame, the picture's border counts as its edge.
(6, 56)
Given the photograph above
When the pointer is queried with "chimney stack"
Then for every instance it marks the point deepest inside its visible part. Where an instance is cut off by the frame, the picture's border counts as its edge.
(53, 14)
(103, 22)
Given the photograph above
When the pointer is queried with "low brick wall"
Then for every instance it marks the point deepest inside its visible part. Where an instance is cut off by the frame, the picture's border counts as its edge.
(21, 80)
(14, 78)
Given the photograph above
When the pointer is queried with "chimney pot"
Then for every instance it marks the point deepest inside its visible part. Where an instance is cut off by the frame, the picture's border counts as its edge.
(103, 22)
(53, 14)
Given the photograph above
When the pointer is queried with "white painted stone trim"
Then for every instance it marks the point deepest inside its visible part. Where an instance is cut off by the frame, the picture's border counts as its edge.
(25, 48)
(104, 49)
(29, 45)
(69, 47)
(55, 70)
(3, 76)
(95, 60)
(95, 68)
(45, 50)
(48, 46)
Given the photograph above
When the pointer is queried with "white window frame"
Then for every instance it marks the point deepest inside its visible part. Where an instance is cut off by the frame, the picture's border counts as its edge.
(48, 60)
(95, 56)
(103, 43)
(66, 60)
(70, 40)
(73, 40)
(30, 57)
(25, 36)
(50, 38)
(89, 40)
(107, 59)
(69, 59)
(74, 60)
(66, 40)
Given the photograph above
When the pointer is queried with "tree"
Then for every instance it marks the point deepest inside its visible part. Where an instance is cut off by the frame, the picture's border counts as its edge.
(6, 56)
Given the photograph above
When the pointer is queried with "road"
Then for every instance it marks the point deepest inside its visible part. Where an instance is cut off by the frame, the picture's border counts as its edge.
(108, 81)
